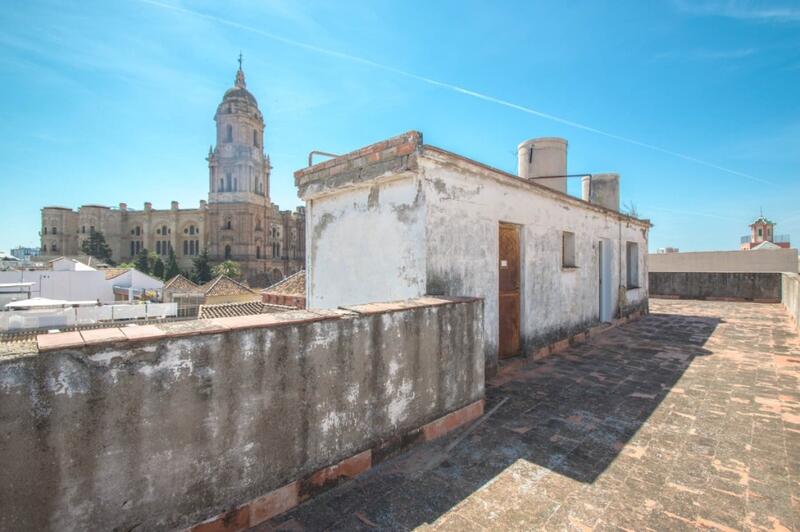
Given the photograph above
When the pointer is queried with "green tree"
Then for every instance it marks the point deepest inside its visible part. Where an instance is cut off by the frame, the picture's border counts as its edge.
(202, 268)
(142, 262)
(228, 268)
(171, 269)
(158, 268)
(127, 265)
(96, 246)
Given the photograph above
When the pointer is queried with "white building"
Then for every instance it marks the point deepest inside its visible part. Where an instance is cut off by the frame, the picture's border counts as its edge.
(401, 219)
(71, 280)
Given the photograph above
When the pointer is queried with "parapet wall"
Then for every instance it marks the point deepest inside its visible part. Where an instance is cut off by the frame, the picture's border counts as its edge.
(732, 286)
(233, 419)
(763, 260)
(791, 296)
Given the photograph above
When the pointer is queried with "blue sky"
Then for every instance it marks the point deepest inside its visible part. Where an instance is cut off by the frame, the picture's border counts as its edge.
(694, 103)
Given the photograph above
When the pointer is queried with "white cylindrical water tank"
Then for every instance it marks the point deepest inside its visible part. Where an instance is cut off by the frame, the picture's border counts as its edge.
(542, 158)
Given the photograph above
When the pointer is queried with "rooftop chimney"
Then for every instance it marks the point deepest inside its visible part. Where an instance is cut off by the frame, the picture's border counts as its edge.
(601, 189)
(174, 205)
(543, 158)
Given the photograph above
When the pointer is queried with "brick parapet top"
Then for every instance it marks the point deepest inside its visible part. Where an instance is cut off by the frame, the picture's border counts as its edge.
(380, 151)
(182, 329)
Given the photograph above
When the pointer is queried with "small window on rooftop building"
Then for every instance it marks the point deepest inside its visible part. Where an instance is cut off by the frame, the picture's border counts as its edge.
(568, 250)
(632, 264)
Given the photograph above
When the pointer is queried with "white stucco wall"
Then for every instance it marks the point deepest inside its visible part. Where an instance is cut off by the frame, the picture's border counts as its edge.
(67, 285)
(464, 209)
(366, 244)
(434, 230)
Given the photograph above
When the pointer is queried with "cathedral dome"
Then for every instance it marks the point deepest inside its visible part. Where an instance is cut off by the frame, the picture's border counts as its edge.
(239, 93)
(239, 90)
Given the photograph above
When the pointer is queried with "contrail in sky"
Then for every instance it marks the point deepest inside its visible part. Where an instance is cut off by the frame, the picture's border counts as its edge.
(448, 86)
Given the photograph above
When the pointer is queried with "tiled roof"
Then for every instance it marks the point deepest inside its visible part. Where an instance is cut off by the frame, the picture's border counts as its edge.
(294, 285)
(179, 282)
(228, 310)
(114, 272)
(224, 286)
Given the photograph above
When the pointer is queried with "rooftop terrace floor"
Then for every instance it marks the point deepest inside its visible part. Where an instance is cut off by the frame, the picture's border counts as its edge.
(686, 419)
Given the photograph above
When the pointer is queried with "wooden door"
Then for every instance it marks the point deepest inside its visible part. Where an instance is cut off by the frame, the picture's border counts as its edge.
(509, 304)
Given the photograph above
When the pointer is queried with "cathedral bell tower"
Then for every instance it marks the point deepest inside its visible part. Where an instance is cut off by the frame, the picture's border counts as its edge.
(238, 169)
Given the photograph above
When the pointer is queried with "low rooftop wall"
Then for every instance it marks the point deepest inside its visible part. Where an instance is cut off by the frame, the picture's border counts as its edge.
(790, 296)
(763, 260)
(734, 286)
(158, 428)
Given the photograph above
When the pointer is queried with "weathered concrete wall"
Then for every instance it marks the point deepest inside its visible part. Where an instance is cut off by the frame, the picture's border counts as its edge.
(705, 285)
(790, 296)
(466, 205)
(366, 244)
(767, 260)
(166, 431)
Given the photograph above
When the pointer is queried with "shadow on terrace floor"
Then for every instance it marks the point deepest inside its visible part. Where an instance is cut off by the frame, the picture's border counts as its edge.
(571, 414)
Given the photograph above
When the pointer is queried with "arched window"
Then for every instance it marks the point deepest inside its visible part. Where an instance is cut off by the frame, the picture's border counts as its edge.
(138, 231)
(221, 186)
(255, 138)
(227, 252)
(235, 185)
(229, 133)
(53, 230)
(185, 247)
(228, 182)
(228, 223)
(258, 252)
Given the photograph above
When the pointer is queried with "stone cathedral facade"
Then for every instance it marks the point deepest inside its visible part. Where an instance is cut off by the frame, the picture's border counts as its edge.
(238, 222)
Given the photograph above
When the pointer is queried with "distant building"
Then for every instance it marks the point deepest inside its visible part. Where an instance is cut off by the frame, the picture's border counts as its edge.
(239, 222)
(762, 236)
(25, 254)
(69, 279)
(668, 249)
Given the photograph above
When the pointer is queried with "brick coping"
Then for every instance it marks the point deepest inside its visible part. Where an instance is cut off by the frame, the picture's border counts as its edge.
(116, 335)
(286, 497)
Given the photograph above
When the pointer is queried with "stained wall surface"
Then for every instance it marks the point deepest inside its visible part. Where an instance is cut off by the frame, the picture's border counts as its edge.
(161, 434)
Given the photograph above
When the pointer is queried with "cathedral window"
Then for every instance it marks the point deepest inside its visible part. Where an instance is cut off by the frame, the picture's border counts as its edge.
(255, 138)
(53, 247)
(228, 181)
(235, 185)
(229, 133)
(227, 252)
(185, 247)
(228, 223)
(221, 186)
(45, 230)
(258, 252)
(133, 247)
(53, 230)
(83, 229)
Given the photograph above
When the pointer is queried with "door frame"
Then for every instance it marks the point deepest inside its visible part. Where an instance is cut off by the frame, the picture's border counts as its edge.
(604, 283)
(521, 292)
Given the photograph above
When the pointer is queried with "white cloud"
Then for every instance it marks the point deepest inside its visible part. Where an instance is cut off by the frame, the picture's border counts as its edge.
(741, 10)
